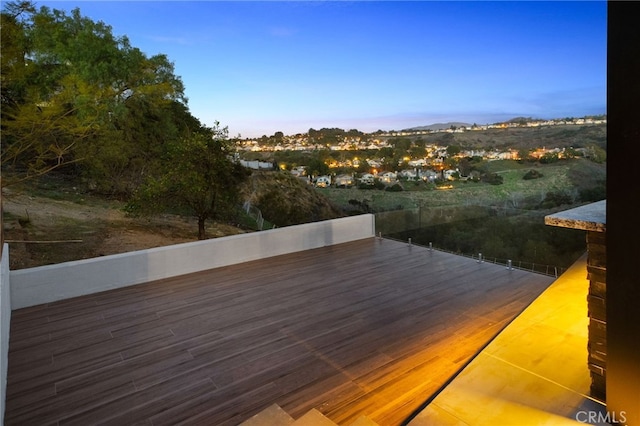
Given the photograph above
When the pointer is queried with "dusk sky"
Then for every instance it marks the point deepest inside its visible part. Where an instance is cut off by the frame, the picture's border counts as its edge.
(262, 67)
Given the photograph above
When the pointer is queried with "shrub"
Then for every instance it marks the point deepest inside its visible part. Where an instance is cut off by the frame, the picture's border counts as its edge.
(549, 158)
(358, 206)
(532, 174)
(556, 199)
(396, 187)
(492, 178)
(379, 185)
(596, 193)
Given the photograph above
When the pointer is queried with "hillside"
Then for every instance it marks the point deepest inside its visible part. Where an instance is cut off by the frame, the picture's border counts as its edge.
(286, 200)
(576, 136)
(579, 179)
(51, 221)
(439, 126)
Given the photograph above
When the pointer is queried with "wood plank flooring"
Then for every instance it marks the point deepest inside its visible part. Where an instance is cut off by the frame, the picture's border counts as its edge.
(371, 327)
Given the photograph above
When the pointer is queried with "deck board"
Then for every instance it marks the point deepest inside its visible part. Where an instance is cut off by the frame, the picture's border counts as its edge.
(371, 327)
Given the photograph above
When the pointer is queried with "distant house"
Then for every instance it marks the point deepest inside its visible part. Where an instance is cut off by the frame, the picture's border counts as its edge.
(389, 177)
(409, 174)
(299, 171)
(257, 165)
(343, 181)
(450, 174)
(428, 175)
(323, 181)
(367, 179)
(418, 163)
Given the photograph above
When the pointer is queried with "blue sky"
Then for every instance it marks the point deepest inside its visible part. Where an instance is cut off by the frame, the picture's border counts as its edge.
(267, 66)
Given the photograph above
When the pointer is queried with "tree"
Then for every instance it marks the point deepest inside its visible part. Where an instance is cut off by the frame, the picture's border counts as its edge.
(532, 174)
(524, 154)
(73, 93)
(596, 154)
(417, 152)
(492, 178)
(464, 166)
(13, 67)
(453, 150)
(401, 145)
(317, 167)
(199, 177)
(549, 157)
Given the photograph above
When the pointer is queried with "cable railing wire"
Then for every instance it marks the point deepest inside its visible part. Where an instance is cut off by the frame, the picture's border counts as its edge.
(538, 268)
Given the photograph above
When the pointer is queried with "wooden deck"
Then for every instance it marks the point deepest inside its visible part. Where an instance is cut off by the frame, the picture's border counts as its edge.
(372, 327)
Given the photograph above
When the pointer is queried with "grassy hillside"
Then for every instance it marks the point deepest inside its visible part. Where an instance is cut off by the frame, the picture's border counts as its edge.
(571, 177)
(576, 136)
(286, 200)
(83, 225)
(509, 224)
(53, 220)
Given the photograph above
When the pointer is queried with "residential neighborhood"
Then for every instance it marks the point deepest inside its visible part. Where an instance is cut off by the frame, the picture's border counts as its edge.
(354, 158)
(379, 139)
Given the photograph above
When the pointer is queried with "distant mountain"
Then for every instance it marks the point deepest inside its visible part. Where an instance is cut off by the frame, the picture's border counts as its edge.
(523, 120)
(440, 126)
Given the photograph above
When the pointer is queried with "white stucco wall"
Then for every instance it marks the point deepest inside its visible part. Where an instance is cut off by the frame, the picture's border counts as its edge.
(5, 322)
(45, 284)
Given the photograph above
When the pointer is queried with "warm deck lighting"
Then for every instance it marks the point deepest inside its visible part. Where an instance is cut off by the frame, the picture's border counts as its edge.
(534, 372)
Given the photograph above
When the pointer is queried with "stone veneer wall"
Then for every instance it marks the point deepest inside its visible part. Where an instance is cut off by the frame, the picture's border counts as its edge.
(592, 218)
(597, 302)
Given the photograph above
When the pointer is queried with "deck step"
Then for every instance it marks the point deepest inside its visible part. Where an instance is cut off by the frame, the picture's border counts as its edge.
(274, 415)
(363, 421)
(270, 416)
(314, 417)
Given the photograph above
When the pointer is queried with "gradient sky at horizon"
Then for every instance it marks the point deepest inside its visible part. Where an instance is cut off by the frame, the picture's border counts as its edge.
(267, 66)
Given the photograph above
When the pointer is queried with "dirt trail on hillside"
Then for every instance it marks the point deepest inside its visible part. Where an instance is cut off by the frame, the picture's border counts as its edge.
(48, 210)
(83, 231)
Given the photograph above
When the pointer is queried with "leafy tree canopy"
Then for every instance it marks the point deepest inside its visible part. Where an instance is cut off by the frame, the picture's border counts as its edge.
(75, 94)
(453, 150)
(199, 177)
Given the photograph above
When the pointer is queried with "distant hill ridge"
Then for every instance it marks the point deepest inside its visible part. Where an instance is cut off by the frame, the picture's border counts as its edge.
(457, 124)
(440, 126)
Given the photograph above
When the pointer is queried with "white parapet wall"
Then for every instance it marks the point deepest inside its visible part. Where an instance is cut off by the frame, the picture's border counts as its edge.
(5, 320)
(44, 284)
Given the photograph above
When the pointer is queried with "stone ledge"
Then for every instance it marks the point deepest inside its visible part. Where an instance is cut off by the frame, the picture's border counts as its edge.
(590, 217)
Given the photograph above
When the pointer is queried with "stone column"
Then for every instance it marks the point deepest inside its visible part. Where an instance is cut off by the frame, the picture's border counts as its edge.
(597, 303)
(592, 218)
